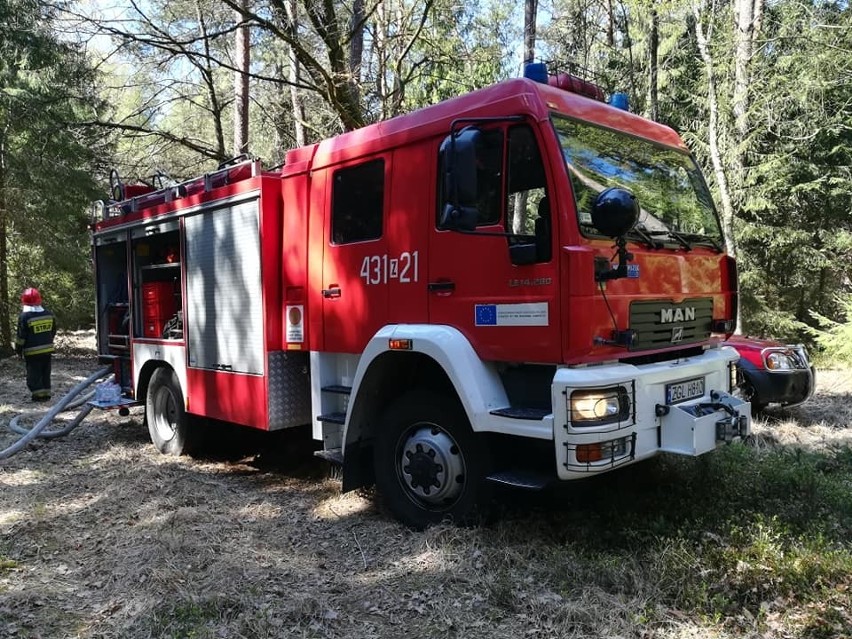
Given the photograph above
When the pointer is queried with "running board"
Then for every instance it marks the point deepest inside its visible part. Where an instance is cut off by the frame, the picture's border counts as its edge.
(524, 479)
(333, 418)
(336, 388)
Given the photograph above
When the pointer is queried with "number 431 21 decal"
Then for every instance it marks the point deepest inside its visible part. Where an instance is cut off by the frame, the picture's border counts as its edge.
(381, 269)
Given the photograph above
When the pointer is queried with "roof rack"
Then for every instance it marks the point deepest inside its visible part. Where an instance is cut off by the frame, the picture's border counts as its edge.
(143, 196)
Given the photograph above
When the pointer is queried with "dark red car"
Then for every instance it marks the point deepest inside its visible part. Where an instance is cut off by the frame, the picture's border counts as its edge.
(771, 372)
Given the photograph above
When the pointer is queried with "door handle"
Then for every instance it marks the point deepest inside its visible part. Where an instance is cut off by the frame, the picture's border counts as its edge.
(444, 286)
(332, 291)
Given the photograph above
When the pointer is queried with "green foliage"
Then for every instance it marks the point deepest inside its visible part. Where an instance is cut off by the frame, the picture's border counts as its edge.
(795, 230)
(49, 161)
(732, 538)
(834, 338)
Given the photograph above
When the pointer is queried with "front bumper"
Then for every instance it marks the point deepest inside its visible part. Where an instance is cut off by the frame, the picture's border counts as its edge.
(788, 388)
(653, 426)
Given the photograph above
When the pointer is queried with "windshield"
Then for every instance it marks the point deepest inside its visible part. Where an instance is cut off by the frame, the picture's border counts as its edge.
(674, 202)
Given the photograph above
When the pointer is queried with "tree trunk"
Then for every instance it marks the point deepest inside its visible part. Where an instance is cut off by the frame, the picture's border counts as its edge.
(653, 65)
(206, 71)
(241, 81)
(530, 12)
(610, 24)
(356, 48)
(747, 19)
(713, 132)
(5, 309)
(294, 74)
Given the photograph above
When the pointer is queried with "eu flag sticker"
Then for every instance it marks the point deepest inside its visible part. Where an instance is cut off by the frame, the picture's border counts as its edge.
(485, 315)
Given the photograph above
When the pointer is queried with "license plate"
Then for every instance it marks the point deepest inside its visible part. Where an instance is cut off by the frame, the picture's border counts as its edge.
(685, 390)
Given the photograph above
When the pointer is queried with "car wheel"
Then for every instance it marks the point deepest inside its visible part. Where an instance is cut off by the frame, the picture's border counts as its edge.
(168, 423)
(429, 465)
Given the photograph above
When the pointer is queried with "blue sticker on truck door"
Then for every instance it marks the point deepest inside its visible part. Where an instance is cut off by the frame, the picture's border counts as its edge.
(528, 314)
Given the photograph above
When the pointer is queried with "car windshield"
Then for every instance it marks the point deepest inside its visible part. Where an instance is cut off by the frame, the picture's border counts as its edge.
(673, 198)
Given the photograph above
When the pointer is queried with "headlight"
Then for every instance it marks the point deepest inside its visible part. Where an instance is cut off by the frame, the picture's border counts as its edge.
(599, 406)
(778, 361)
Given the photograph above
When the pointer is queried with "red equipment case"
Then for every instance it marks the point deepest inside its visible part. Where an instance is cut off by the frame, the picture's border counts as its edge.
(158, 307)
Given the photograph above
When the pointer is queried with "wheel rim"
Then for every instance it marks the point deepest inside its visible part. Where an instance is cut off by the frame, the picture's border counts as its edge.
(430, 466)
(165, 414)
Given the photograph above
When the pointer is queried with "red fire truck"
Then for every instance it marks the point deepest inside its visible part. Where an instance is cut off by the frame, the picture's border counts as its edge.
(517, 286)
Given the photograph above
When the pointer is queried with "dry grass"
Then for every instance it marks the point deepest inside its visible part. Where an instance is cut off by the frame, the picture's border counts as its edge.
(103, 537)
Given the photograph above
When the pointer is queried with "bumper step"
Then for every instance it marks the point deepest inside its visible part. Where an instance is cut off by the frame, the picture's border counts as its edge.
(333, 456)
(518, 412)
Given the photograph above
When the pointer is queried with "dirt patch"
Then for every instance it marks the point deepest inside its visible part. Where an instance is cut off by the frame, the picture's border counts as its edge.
(104, 537)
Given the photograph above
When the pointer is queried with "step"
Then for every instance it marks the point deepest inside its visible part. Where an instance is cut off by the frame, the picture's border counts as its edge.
(335, 388)
(333, 456)
(524, 479)
(333, 418)
(520, 412)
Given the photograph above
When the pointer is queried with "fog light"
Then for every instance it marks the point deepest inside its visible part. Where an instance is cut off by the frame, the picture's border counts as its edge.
(599, 406)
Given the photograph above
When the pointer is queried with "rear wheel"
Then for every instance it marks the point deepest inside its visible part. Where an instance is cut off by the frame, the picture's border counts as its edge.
(168, 423)
(429, 464)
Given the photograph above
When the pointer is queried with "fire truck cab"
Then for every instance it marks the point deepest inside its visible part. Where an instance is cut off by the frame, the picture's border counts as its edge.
(517, 286)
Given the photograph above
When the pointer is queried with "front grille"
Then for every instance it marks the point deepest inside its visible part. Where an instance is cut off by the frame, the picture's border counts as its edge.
(662, 323)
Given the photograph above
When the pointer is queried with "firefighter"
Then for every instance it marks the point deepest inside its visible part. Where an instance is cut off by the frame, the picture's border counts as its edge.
(36, 329)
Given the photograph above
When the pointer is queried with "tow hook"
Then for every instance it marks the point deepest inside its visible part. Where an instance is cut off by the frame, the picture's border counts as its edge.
(730, 427)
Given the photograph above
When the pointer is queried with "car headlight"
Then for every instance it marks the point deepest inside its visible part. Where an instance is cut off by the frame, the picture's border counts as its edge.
(592, 407)
(778, 361)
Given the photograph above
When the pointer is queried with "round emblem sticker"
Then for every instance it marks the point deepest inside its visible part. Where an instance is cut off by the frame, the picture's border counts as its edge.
(294, 316)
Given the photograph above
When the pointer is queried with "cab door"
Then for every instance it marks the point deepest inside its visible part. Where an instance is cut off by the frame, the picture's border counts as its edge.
(354, 275)
(504, 299)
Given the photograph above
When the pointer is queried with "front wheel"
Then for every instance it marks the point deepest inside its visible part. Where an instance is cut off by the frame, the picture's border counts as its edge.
(429, 464)
(168, 423)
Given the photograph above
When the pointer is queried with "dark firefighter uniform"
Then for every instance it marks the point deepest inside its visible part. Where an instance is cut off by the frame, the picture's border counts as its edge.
(36, 329)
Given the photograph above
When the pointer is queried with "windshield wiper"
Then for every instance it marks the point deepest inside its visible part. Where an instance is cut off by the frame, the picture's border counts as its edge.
(681, 239)
(647, 237)
(700, 238)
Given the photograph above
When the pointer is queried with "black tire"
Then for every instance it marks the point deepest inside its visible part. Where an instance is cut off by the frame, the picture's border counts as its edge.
(748, 393)
(165, 415)
(432, 432)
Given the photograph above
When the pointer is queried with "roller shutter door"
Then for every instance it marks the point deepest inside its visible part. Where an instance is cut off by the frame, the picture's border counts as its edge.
(224, 302)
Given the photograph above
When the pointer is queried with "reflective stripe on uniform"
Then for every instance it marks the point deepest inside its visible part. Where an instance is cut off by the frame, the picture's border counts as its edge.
(38, 350)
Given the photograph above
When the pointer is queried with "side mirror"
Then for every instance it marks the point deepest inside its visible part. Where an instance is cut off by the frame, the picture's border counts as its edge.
(458, 218)
(615, 212)
(458, 159)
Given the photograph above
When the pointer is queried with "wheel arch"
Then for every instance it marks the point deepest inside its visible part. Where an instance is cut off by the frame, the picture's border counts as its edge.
(148, 357)
(440, 359)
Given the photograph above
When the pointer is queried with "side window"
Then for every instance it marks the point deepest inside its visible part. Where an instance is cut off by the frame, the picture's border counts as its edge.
(528, 207)
(527, 182)
(357, 202)
(489, 179)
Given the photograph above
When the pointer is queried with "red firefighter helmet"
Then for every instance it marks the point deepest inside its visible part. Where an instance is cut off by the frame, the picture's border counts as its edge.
(31, 297)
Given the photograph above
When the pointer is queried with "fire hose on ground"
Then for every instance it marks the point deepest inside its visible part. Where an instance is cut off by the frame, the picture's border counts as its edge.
(65, 404)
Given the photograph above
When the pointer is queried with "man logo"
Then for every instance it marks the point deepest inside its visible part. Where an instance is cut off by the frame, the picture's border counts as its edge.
(671, 315)
(677, 334)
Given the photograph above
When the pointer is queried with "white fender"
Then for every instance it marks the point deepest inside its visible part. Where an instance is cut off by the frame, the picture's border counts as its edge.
(476, 382)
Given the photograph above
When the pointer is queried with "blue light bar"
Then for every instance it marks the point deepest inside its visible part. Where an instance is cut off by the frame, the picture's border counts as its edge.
(536, 71)
(619, 101)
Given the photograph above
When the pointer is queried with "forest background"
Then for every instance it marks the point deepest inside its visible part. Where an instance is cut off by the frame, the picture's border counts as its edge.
(761, 90)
